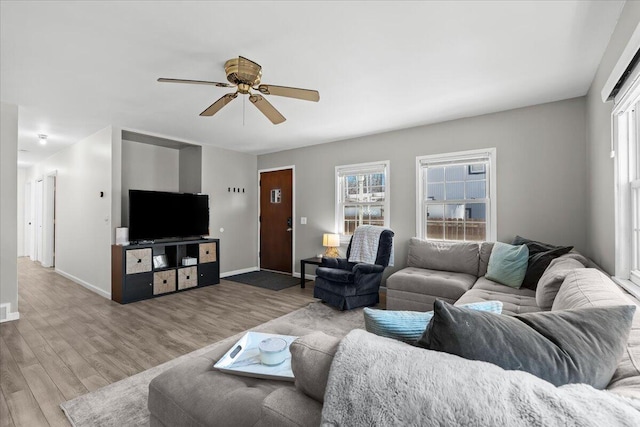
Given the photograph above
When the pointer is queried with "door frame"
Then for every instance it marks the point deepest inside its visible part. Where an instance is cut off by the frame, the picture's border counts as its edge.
(28, 220)
(293, 213)
(49, 218)
(38, 218)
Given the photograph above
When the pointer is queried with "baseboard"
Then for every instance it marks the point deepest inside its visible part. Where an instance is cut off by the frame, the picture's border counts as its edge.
(6, 315)
(306, 276)
(241, 271)
(84, 284)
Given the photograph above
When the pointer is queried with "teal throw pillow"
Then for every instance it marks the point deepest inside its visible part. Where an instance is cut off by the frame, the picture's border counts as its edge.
(408, 326)
(508, 264)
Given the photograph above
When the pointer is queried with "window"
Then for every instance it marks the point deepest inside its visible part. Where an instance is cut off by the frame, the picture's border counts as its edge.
(456, 196)
(363, 196)
(626, 140)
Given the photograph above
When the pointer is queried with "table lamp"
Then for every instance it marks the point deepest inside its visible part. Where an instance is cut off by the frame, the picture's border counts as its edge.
(331, 242)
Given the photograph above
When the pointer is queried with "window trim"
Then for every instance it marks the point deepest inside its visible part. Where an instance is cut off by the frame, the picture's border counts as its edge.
(356, 167)
(623, 225)
(459, 157)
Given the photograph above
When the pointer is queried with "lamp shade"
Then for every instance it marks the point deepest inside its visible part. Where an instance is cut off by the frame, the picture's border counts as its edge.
(331, 240)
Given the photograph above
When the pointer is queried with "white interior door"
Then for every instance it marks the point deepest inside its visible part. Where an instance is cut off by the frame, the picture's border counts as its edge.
(48, 221)
(38, 205)
(28, 220)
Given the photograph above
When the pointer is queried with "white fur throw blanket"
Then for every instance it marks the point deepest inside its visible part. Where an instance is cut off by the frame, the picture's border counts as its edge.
(364, 244)
(383, 382)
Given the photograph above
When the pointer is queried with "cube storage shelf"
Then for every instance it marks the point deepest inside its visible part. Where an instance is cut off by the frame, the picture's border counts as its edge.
(134, 276)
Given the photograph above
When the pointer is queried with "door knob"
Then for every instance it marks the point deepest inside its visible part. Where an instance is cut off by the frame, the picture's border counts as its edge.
(289, 229)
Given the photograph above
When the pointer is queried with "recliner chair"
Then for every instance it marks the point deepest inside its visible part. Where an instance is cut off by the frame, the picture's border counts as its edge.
(347, 285)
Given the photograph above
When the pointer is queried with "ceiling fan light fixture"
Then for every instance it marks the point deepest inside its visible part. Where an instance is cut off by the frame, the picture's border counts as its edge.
(42, 139)
(245, 75)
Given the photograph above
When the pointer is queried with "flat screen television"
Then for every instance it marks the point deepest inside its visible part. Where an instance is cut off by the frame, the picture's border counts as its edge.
(155, 215)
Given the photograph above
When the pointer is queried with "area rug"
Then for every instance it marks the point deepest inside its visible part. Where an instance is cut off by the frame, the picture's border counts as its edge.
(124, 403)
(266, 280)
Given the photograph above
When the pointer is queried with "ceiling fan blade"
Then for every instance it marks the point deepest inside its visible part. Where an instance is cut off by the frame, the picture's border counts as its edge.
(194, 82)
(217, 106)
(267, 109)
(290, 92)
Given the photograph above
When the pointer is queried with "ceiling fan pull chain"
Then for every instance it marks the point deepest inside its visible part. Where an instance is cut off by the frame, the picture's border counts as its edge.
(243, 104)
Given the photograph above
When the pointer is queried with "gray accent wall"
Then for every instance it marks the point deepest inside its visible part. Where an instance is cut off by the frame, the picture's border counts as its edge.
(601, 194)
(147, 167)
(541, 172)
(9, 206)
(190, 179)
(234, 212)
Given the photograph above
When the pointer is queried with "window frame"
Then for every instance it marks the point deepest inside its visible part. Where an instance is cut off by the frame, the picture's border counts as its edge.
(340, 170)
(625, 148)
(459, 157)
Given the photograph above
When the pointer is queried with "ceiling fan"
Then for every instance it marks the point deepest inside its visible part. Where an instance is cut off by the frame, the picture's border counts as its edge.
(245, 75)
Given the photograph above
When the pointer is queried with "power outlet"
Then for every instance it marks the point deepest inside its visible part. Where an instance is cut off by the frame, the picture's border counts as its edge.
(303, 220)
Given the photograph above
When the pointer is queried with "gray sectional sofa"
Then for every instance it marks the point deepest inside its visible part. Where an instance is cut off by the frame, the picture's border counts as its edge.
(195, 394)
(454, 272)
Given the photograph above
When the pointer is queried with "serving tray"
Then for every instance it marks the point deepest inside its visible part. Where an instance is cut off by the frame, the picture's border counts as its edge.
(243, 358)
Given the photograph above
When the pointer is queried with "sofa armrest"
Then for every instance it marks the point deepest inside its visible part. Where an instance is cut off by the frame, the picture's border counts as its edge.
(340, 263)
(363, 268)
(335, 274)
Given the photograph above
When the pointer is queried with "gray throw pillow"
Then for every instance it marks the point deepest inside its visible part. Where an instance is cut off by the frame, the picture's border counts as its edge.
(562, 347)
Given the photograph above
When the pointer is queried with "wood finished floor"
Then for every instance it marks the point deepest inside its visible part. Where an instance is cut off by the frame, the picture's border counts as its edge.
(70, 341)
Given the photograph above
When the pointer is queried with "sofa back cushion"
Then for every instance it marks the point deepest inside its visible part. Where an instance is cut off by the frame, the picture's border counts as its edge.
(588, 287)
(458, 257)
(311, 357)
(485, 254)
(553, 277)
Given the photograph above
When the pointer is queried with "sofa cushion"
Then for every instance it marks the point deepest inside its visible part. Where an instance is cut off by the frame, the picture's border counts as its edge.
(511, 304)
(562, 347)
(508, 264)
(553, 277)
(540, 256)
(589, 287)
(286, 407)
(489, 285)
(457, 257)
(408, 326)
(444, 284)
(514, 301)
(311, 357)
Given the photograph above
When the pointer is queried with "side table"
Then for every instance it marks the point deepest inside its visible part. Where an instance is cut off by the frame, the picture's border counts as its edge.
(314, 260)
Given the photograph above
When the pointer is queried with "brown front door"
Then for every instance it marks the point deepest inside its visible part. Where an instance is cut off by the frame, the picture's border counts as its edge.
(276, 220)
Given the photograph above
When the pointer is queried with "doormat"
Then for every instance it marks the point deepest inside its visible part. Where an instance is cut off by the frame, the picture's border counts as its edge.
(266, 280)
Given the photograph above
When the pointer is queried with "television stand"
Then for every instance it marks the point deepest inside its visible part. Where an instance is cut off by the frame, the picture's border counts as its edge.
(150, 269)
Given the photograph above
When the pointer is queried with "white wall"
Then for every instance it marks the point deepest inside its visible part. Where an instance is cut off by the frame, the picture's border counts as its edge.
(237, 213)
(601, 203)
(147, 167)
(8, 208)
(540, 164)
(83, 218)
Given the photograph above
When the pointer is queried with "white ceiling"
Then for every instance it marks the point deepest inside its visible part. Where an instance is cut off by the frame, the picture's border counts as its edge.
(76, 67)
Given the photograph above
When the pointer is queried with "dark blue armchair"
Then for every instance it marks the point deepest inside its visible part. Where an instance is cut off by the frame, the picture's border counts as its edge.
(346, 285)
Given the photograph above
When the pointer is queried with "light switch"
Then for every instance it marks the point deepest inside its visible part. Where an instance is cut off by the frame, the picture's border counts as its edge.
(303, 220)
